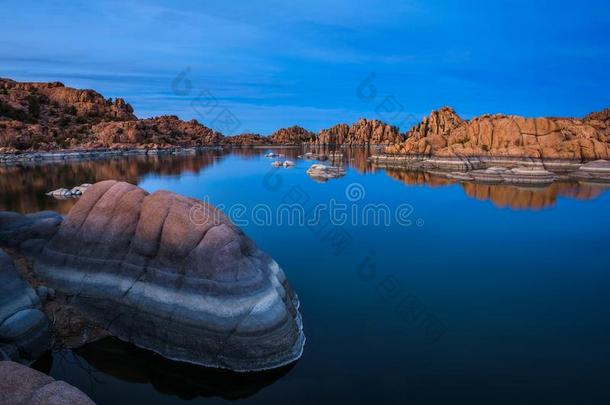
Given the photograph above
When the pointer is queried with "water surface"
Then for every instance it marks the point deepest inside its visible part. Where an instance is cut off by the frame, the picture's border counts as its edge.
(485, 294)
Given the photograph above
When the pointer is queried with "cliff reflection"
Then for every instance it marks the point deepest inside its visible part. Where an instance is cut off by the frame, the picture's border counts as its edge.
(354, 157)
(23, 188)
(505, 196)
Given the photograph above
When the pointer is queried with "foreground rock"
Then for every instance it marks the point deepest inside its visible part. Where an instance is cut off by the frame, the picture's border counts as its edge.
(28, 233)
(173, 275)
(20, 385)
(445, 134)
(24, 328)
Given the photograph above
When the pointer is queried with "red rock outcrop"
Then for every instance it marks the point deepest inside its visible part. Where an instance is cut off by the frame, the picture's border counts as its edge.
(47, 116)
(362, 132)
(159, 131)
(294, 135)
(246, 140)
(445, 134)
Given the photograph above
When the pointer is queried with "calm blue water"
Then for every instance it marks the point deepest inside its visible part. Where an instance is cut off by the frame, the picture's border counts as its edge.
(489, 295)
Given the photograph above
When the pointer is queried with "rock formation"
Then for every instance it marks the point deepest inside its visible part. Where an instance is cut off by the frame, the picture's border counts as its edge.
(167, 130)
(294, 135)
(28, 233)
(246, 140)
(49, 116)
(20, 385)
(173, 275)
(24, 328)
(363, 132)
(445, 134)
(323, 173)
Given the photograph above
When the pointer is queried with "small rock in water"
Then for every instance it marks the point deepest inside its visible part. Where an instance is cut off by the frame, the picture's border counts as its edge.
(60, 192)
(277, 163)
(288, 163)
(323, 172)
(64, 193)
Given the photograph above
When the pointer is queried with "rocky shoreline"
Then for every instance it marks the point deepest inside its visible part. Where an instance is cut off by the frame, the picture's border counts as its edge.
(499, 169)
(9, 159)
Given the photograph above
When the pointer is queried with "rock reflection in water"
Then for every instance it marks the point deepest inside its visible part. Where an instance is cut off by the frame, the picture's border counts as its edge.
(355, 157)
(23, 188)
(502, 195)
(132, 365)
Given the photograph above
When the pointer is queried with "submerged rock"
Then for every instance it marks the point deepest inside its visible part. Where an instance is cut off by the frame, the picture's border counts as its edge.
(24, 328)
(323, 173)
(173, 275)
(21, 385)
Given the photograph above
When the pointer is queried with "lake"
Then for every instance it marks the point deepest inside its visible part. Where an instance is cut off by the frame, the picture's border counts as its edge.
(421, 290)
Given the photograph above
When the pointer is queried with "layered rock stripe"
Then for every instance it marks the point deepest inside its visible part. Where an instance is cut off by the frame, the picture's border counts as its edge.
(196, 291)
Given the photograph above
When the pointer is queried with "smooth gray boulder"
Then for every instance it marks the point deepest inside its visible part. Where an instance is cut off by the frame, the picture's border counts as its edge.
(20, 385)
(174, 275)
(24, 328)
(28, 233)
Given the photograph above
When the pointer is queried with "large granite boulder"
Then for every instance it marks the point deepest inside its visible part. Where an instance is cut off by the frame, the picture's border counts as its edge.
(174, 275)
(24, 328)
(20, 385)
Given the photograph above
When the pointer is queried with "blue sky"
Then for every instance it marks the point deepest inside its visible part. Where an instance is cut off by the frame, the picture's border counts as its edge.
(277, 63)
